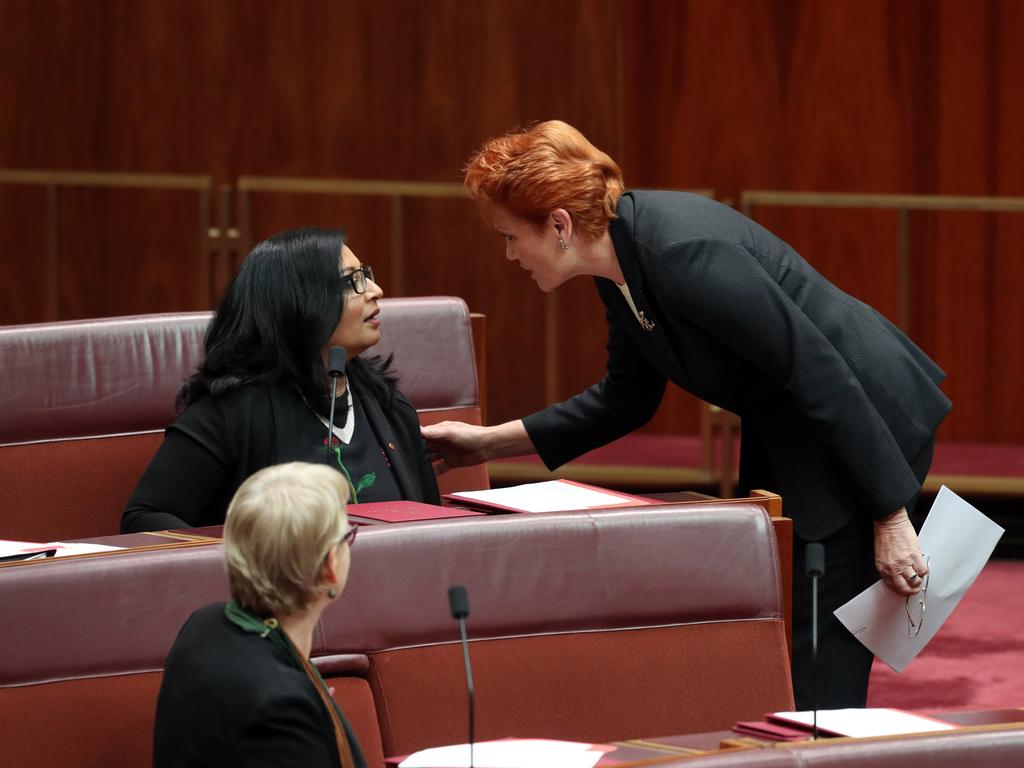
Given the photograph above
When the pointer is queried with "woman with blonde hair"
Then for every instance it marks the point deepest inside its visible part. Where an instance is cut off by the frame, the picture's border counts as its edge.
(238, 686)
(839, 408)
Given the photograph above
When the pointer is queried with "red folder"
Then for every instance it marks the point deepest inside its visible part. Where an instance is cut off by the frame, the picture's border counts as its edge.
(403, 511)
(763, 729)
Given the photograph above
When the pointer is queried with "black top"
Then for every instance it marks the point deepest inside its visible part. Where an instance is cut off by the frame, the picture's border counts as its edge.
(217, 442)
(835, 400)
(230, 697)
(363, 460)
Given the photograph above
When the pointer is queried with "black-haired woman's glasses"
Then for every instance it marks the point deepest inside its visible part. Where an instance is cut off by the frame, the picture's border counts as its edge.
(358, 278)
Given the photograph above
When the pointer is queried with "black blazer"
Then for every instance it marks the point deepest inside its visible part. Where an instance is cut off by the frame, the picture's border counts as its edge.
(217, 442)
(232, 698)
(835, 400)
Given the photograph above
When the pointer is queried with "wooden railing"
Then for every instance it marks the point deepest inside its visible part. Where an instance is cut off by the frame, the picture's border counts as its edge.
(54, 181)
(750, 200)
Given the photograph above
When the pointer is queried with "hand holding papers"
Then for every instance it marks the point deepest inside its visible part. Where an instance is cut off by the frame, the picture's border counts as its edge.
(958, 540)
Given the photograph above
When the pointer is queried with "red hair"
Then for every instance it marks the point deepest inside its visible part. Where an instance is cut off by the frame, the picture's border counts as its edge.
(550, 165)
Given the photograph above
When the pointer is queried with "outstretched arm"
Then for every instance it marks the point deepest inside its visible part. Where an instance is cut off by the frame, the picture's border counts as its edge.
(457, 444)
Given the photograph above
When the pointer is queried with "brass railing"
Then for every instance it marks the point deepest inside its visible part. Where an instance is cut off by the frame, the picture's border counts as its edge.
(395, 191)
(54, 181)
(901, 204)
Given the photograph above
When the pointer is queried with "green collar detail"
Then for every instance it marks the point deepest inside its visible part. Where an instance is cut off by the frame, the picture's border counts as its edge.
(247, 622)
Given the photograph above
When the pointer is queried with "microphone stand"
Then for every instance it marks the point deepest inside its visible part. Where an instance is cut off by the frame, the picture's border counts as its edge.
(459, 601)
(815, 560)
(336, 359)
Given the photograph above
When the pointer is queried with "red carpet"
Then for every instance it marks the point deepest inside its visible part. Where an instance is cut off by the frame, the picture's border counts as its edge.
(976, 661)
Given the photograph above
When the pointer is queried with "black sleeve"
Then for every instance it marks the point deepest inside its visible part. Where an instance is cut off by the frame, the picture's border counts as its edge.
(189, 472)
(409, 423)
(725, 290)
(624, 400)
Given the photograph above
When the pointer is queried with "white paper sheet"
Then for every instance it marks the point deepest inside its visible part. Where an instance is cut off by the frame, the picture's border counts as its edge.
(863, 723)
(63, 548)
(550, 496)
(509, 753)
(958, 540)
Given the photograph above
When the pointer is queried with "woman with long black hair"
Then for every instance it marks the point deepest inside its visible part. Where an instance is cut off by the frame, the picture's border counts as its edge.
(262, 394)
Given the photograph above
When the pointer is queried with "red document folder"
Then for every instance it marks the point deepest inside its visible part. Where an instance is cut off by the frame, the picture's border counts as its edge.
(763, 729)
(403, 511)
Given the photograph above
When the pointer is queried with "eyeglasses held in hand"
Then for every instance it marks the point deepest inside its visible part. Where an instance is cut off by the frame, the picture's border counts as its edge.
(358, 278)
(916, 605)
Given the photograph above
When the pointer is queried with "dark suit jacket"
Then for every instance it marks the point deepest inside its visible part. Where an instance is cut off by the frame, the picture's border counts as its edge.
(218, 442)
(835, 400)
(232, 698)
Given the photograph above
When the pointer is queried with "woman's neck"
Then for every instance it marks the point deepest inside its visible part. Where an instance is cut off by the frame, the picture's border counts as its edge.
(299, 626)
(597, 257)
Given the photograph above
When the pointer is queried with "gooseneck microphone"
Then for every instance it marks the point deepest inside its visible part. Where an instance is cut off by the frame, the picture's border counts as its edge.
(814, 557)
(336, 359)
(459, 602)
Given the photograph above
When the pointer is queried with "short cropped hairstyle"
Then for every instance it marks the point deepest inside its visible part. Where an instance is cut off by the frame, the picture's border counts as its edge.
(280, 527)
(550, 165)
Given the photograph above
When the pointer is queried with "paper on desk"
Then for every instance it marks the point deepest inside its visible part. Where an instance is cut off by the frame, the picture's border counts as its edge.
(510, 753)
(549, 496)
(864, 723)
(64, 549)
(958, 540)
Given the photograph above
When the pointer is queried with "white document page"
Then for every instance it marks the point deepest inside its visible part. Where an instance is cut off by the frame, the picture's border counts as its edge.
(958, 541)
(863, 723)
(509, 753)
(8, 548)
(550, 496)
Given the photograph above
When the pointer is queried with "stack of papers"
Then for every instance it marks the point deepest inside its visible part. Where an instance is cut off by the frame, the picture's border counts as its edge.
(549, 496)
(511, 753)
(863, 723)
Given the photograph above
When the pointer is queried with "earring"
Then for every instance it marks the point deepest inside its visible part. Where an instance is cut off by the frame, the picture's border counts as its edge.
(332, 593)
(562, 245)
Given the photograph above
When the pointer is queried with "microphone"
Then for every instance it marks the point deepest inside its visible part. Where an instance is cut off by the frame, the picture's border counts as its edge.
(814, 557)
(336, 359)
(459, 602)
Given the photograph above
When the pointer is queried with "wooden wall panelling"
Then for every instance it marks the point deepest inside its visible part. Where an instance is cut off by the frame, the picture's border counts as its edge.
(880, 96)
(128, 251)
(1006, 329)
(26, 287)
(366, 221)
(1008, 266)
(451, 251)
(955, 315)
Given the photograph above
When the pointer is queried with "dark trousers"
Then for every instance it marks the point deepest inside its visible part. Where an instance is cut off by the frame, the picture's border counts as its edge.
(844, 664)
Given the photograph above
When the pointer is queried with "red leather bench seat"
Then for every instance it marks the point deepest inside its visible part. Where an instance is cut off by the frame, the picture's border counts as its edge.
(595, 626)
(591, 626)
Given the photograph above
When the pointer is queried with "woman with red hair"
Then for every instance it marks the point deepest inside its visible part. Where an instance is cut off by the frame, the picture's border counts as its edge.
(839, 408)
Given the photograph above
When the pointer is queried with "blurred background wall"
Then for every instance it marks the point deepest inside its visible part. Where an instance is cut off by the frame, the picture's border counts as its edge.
(902, 97)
